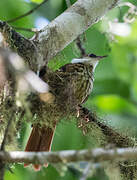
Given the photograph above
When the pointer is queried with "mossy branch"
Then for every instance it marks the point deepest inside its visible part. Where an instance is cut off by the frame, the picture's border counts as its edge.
(97, 155)
(18, 43)
(111, 136)
(107, 136)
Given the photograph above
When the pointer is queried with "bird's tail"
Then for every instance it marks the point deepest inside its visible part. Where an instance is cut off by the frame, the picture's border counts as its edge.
(40, 140)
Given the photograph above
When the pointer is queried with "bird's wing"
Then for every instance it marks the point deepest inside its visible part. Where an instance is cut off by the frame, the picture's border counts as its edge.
(71, 68)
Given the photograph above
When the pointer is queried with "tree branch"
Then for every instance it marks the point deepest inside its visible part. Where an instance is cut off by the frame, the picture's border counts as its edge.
(107, 136)
(18, 43)
(59, 33)
(70, 24)
(93, 155)
(88, 119)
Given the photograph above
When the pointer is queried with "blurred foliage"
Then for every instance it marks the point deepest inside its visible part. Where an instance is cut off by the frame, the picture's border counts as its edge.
(37, 1)
(115, 86)
(14, 9)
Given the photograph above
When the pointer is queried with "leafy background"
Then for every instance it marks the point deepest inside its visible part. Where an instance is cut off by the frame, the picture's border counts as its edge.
(114, 96)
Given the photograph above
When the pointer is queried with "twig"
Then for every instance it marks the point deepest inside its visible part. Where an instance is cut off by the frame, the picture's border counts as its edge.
(25, 29)
(79, 44)
(27, 13)
(86, 172)
(97, 155)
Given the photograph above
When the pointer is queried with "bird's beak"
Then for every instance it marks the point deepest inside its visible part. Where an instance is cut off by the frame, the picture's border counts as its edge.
(100, 57)
(97, 57)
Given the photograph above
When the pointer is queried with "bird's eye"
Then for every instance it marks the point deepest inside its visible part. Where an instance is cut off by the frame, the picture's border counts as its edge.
(92, 55)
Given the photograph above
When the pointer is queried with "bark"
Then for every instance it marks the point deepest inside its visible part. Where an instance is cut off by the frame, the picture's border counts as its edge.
(70, 24)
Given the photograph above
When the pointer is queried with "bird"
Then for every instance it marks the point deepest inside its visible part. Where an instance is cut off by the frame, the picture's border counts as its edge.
(70, 86)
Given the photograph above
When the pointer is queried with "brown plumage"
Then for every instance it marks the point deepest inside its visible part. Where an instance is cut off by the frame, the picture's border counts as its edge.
(72, 81)
(71, 86)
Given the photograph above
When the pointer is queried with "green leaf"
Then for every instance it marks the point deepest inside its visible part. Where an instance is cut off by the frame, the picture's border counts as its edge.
(37, 1)
(111, 86)
(113, 104)
(124, 53)
(65, 140)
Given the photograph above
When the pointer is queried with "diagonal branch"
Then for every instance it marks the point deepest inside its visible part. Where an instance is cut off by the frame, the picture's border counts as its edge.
(70, 24)
(59, 33)
(18, 43)
(111, 135)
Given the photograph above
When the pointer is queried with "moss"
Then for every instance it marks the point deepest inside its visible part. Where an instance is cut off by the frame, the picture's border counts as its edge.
(18, 43)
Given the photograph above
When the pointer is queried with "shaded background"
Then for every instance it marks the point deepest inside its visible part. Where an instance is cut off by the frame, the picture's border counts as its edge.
(114, 96)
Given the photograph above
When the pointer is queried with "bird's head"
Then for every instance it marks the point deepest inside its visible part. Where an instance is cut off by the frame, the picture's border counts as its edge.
(90, 59)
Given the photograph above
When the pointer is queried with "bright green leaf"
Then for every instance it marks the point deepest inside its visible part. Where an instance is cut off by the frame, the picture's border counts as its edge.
(114, 104)
(37, 1)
